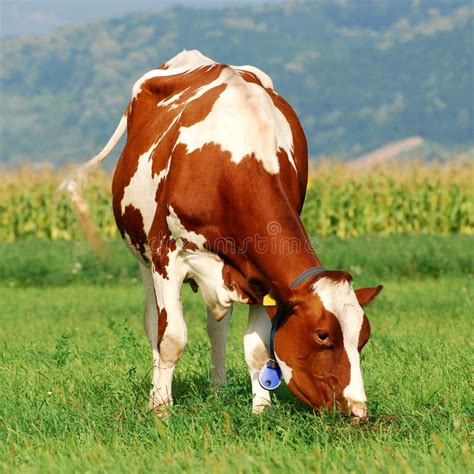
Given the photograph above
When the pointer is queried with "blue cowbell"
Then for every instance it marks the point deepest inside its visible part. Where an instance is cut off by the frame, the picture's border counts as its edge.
(270, 375)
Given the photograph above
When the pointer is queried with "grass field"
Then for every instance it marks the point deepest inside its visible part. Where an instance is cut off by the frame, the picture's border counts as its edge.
(74, 370)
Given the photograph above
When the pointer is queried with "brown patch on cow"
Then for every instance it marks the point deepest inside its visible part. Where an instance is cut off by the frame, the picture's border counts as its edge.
(286, 169)
(189, 246)
(160, 195)
(131, 224)
(160, 255)
(248, 76)
(162, 324)
(161, 243)
(364, 333)
(235, 280)
(165, 87)
(300, 146)
(172, 245)
(197, 110)
(194, 80)
(246, 192)
(337, 276)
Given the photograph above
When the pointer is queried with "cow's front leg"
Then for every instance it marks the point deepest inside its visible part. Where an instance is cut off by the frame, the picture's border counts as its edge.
(167, 333)
(256, 342)
(217, 331)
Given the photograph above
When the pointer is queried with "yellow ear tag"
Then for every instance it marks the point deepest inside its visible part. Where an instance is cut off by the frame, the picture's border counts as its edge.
(269, 301)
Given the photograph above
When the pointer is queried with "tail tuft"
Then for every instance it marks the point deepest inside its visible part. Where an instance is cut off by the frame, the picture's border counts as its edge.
(75, 184)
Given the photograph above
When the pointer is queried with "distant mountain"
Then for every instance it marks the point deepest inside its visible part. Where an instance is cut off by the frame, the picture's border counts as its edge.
(27, 17)
(359, 74)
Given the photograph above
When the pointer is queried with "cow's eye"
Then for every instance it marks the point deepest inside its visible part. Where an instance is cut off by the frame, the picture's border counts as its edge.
(322, 336)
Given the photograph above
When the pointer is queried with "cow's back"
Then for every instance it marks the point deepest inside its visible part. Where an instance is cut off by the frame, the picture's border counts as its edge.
(205, 141)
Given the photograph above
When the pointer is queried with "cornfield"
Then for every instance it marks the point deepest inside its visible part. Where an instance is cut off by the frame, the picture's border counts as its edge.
(391, 199)
(341, 201)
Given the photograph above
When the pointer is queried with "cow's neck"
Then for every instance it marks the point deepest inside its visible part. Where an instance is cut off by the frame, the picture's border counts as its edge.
(290, 254)
(279, 250)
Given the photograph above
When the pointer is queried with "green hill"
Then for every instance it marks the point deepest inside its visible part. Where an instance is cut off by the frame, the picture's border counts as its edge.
(360, 74)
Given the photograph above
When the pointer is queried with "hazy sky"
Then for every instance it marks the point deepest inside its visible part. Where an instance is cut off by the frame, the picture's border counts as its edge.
(26, 17)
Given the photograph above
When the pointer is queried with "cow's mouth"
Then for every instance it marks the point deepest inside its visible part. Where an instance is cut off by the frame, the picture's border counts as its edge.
(358, 410)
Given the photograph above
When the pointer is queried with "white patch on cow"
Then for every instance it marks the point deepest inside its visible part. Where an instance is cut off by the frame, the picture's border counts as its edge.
(189, 60)
(257, 128)
(225, 75)
(151, 328)
(179, 232)
(264, 78)
(172, 101)
(167, 292)
(141, 191)
(256, 341)
(204, 267)
(340, 299)
(286, 370)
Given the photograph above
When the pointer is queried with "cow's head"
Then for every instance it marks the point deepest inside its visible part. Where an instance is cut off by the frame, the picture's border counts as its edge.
(320, 338)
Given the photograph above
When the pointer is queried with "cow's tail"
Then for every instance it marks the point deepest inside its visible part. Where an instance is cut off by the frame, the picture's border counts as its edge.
(76, 183)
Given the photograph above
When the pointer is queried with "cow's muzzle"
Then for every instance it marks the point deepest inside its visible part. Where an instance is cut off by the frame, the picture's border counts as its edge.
(358, 410)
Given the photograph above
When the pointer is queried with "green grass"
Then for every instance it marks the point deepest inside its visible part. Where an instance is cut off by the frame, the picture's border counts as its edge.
(57, 263)
(74, 372)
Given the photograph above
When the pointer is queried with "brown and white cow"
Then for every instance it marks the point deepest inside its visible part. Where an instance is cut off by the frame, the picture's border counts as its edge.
(208, 190)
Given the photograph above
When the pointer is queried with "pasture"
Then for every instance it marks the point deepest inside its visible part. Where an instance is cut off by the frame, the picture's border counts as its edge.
(75, 368)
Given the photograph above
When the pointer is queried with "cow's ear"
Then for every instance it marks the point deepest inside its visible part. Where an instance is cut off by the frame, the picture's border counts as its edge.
(366, 295)
(280, 293)
(275, 290)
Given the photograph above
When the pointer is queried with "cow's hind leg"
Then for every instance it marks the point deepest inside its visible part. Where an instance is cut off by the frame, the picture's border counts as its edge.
(256, 342)
(151, 322)
(166, 332)
(217, 331)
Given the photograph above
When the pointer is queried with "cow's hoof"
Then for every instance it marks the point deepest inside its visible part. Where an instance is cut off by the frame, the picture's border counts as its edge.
(162, 411)
(160, 407)
(259, 405)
